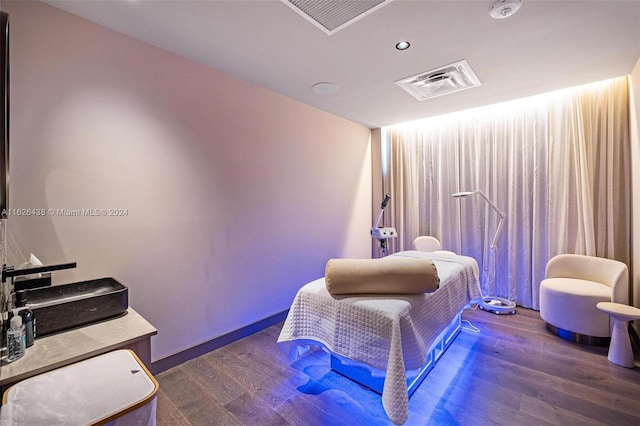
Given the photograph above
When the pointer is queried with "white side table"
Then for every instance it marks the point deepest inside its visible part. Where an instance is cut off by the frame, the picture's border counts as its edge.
(620, 351)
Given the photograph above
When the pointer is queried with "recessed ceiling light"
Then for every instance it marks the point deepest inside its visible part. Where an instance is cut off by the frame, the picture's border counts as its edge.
(403, 45)
(324, 88)
(504, 8)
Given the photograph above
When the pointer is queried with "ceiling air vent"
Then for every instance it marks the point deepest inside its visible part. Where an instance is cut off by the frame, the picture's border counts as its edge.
(333, 15)
(440, 81)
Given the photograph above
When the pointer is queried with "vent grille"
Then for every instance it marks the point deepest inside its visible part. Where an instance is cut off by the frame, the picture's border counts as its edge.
(440, 81)
(333, 15)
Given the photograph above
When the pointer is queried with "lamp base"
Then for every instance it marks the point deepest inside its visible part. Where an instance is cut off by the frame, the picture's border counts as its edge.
(497, 305)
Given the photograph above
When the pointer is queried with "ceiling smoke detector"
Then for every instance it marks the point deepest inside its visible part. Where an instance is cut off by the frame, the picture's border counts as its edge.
(504, 8)
(440, 81)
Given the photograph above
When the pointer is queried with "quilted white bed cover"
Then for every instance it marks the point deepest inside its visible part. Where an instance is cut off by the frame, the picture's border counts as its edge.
(389, 334)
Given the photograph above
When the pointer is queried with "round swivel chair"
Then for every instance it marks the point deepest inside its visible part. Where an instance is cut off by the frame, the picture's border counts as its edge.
(573, 286)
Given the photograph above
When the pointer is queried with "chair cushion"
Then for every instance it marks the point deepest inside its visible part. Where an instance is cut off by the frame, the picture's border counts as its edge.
(570, 304)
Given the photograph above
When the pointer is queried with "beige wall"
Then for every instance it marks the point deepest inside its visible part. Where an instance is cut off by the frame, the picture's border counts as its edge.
(235, 196)
(377, 194)
(635, 170)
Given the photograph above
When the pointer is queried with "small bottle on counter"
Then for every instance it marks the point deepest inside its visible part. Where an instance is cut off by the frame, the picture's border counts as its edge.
(28, 319)
(16, 339)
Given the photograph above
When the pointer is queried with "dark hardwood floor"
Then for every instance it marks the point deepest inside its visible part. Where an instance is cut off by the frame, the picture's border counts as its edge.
(513, 372)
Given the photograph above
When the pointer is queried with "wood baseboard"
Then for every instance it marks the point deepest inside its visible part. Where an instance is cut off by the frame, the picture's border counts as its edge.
(203, 348)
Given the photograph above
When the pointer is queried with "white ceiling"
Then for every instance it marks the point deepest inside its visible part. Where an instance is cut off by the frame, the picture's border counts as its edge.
(546, 45)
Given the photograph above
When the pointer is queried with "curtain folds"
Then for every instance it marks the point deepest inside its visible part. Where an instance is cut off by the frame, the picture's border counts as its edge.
(558, 165)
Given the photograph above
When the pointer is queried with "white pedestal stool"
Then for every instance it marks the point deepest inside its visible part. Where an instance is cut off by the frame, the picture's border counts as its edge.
(620, 351)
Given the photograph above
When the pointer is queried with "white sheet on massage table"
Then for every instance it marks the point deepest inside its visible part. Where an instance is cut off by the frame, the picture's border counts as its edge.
(387, 333)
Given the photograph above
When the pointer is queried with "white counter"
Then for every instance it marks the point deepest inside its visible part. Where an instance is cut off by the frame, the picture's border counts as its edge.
(129, 331)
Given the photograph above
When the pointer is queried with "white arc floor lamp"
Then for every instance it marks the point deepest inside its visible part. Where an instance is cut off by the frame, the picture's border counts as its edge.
(493, 304)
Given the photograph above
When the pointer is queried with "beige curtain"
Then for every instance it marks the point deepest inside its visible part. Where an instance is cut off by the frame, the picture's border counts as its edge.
(558, 165)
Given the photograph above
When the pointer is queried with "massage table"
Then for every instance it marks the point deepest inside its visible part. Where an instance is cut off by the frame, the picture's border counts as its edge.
(385, 342)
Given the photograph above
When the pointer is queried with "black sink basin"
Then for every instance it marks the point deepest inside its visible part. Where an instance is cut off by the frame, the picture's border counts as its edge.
(62, 307)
